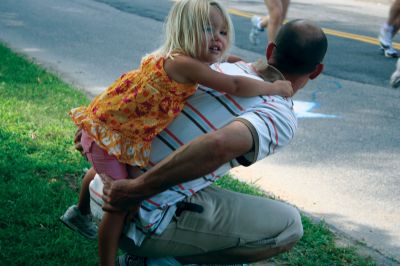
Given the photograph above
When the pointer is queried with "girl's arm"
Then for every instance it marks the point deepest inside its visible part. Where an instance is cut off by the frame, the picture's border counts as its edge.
(233, 59)
(184, 69)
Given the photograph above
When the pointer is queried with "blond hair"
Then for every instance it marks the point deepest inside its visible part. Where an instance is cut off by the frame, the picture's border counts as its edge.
(185, 27)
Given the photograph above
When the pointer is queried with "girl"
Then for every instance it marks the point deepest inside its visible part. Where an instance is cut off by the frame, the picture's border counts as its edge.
(119, 125)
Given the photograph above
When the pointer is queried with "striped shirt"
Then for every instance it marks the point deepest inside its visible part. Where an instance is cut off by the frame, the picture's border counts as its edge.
(271, 120)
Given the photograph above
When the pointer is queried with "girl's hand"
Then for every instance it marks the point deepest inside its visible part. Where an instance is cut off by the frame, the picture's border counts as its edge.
(77, 141)
(283, 88)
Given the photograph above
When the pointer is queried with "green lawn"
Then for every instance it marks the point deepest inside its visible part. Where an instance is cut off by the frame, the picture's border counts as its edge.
(40, 174)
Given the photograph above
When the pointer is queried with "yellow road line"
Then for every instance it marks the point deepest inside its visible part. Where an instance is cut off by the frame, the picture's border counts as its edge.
(356, 37)
(341, 34)
(240, 13)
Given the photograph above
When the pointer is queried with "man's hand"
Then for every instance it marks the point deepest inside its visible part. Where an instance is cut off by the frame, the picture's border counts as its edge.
(117, 197)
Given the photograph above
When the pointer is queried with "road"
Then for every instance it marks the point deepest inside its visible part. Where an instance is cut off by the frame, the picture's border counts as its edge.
(343, 164)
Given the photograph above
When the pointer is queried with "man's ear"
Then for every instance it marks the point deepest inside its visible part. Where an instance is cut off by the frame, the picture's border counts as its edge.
(270, 48)
(317, 71)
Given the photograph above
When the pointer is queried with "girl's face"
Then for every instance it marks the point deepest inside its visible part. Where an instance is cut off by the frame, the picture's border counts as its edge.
(215, 41)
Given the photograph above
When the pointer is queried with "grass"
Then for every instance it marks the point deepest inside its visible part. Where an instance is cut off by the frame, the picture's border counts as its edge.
(40, 175)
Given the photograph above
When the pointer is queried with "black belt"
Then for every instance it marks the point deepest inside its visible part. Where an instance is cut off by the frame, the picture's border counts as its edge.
(187, 206)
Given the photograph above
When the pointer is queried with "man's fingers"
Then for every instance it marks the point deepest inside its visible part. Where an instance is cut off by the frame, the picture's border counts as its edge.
(109, 208)
(105, 197)
(114, 199)
(132, 213)
(105, 178)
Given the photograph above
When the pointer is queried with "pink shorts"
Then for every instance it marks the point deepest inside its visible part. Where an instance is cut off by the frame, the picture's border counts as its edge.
(100, 159)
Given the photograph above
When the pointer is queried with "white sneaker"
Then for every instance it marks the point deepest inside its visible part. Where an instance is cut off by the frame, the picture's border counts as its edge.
(385, 40)
(255, 30)
(76, 221)
(390, 52)
(395, 78)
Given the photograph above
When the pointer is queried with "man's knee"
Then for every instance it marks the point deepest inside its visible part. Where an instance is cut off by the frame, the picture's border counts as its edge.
(294, 228)
(297, 225)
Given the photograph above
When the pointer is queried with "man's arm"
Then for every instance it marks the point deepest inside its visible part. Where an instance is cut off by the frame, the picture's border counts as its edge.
(193, 160)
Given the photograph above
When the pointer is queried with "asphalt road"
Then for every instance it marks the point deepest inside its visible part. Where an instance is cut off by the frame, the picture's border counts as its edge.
(343, 164)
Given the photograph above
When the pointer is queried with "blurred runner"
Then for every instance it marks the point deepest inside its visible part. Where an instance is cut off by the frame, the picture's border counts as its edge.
(277, 10)
(395, 78)
(389, 30)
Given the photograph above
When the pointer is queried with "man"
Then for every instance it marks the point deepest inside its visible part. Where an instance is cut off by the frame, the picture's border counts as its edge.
(182, 219)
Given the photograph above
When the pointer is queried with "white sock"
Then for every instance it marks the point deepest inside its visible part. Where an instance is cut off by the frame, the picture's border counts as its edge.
(388, 28)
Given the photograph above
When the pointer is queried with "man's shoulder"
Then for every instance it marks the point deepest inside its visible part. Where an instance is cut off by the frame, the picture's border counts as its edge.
(239, 68)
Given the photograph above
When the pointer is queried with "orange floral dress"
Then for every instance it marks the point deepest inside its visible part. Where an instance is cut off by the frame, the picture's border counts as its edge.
(126, 117)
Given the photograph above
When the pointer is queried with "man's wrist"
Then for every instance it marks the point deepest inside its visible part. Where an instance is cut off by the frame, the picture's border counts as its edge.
(143, 187)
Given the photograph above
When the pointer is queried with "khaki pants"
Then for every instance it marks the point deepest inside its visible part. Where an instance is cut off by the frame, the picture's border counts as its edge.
(229, 220)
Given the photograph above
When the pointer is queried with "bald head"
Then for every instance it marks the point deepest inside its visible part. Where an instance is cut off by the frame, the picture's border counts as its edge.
(300, 47)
